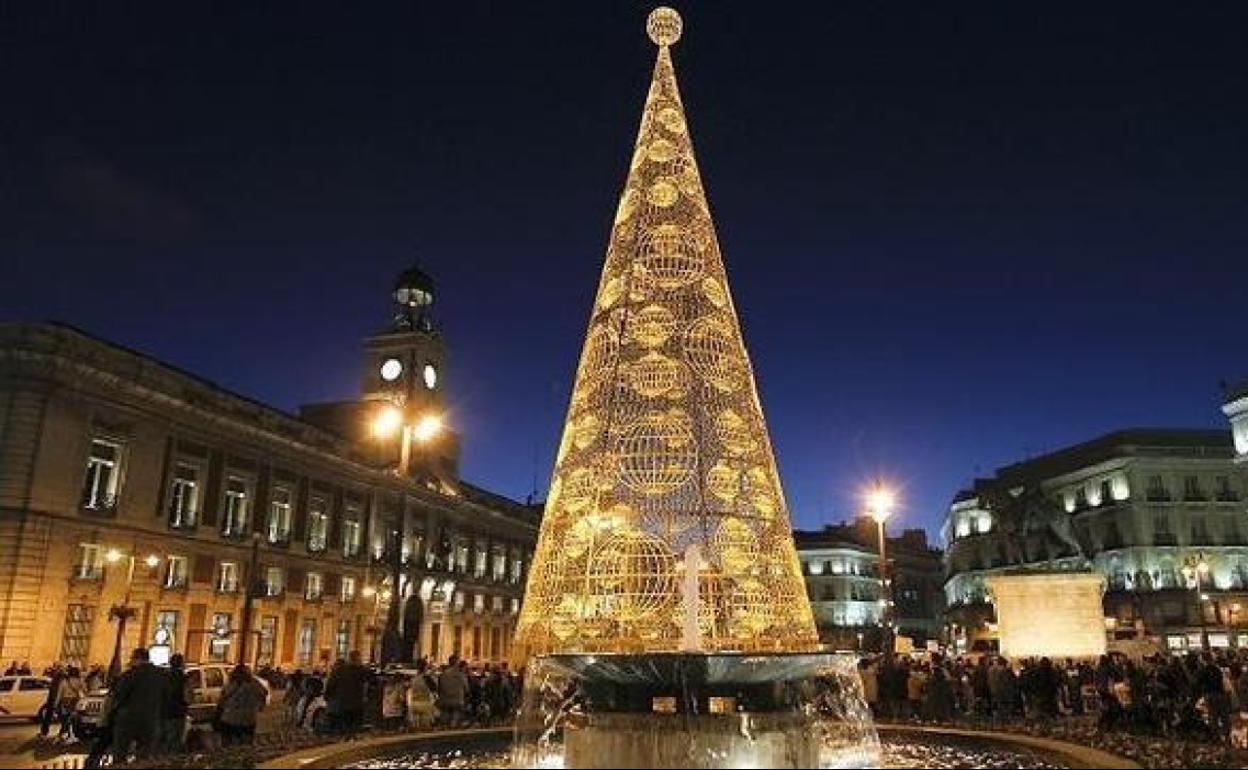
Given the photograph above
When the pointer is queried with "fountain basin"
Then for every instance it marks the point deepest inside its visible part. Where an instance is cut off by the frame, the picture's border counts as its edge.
(694, 710)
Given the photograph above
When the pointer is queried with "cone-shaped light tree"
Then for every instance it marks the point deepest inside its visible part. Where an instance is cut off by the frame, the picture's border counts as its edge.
(666, 527)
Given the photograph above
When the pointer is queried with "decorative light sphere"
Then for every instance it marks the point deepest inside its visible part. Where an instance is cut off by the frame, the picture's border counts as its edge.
(664, 25)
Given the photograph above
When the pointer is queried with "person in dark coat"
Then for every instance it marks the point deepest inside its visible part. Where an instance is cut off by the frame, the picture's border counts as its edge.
(345, 692)
(137, 702)
(174, 711)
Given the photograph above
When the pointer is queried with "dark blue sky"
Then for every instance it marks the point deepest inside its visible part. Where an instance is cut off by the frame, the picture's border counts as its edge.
(958, 235)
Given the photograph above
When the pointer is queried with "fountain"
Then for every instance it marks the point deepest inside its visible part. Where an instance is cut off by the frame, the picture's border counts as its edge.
(666, 622)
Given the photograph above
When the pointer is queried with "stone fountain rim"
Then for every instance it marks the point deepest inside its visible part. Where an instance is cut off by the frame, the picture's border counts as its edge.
(339, 754)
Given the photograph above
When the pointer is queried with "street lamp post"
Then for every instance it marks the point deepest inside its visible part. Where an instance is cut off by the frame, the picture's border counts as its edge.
(880, 503)
(420, 431)
(1195, 571)
(123, 612)
(249, 597)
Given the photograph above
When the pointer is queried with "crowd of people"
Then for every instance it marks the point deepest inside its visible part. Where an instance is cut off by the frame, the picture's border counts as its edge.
(1194, 696)
(148, 710)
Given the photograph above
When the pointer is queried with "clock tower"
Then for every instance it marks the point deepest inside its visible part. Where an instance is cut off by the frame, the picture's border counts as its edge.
(401, 413)
(405, 362)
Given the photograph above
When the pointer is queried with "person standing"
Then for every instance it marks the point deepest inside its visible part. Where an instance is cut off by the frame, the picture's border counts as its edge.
(137, 699)
(67, 696)
(452, 692)
(48, 712)
(241, 701)
(345, 692)
(176, 706)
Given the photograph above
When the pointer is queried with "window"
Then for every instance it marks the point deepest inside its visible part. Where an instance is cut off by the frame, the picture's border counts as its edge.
(268, 640)
(478, 603)
(99, 489)
(500, 565)
(342, 639)
(1191, 488)
(279, 516)
(312, 587)
(348, 590)
(227, 577)
(1107, 491)
(1225, 493)
(184, 496)
(517, 567)
(476, 642)
(496, 604)
(234, 518)
(274, 581)
(515, 606)
(1081, 498)
(1161, 531)
(219, 641)
(76, 638)
(352, 534)
(1200, 530)
(166, 630)
(318, 525)
(483, 556)
(90, 562)
(461, 558)
(457, 604)
(176, 570)
(307, 641)
(1157, 491)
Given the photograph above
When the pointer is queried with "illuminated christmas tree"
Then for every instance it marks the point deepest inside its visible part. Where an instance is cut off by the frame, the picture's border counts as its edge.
(665, 465)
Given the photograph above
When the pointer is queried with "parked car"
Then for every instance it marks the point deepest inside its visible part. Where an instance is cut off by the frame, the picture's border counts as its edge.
(21, 697)
(203, 690)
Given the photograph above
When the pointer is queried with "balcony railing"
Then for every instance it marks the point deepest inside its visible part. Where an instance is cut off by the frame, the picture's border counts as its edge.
(101, 506)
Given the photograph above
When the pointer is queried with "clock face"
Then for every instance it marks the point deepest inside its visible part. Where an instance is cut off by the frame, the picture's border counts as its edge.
(431, 376)
(391, 369)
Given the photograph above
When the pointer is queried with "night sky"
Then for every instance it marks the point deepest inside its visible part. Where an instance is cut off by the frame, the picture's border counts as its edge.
(958, 235)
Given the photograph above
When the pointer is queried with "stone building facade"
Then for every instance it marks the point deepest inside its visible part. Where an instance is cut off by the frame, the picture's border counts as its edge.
(1159, 513)
(127, 482)
(841, 565)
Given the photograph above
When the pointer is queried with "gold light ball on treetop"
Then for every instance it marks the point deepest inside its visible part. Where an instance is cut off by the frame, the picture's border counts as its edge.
(664, 25)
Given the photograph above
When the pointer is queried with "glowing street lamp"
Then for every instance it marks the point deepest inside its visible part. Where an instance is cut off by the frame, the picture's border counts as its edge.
(880, 501)
(387, 422)
(427, 428)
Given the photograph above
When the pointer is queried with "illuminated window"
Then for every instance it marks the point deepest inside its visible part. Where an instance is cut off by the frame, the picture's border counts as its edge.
(99, 490)
(352, 534)
(219, 642)
(90, 562)
(184, 496)
(274, 581)
(279, 516)
(318, 525)
(234, 518)
(227, 577)
(176, 572)
(313, 586)
(347, 594)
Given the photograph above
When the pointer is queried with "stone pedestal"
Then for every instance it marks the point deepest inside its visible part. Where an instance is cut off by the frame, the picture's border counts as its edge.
(1058, 615)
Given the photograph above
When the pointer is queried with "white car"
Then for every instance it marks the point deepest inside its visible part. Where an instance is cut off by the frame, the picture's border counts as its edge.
(21, 697)
(203, 690)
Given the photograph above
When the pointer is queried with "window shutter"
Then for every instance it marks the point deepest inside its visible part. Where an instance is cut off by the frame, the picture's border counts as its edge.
(204, 568)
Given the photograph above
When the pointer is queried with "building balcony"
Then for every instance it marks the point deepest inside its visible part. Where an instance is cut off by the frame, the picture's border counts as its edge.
(1158, 497)
(183, 522)
(104, 508)
(1227, 497)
